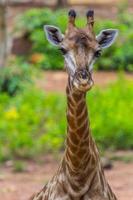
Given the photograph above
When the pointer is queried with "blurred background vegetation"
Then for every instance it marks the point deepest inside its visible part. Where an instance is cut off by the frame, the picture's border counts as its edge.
(32, 121)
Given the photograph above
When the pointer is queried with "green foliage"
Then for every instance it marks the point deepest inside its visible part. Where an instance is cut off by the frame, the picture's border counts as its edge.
(118, 56)
(111, 124)
(34, 122)
(123, 158)
(33, 22)
(25, 119)
(13, 78)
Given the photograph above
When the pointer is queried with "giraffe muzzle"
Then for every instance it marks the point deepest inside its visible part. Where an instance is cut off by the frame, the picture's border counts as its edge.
(83, 80)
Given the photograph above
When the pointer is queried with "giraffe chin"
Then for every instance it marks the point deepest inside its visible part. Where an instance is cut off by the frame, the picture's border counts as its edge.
(83, 87)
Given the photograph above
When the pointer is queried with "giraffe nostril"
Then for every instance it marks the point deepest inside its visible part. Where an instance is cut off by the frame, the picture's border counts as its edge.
(84, 74)
(82, 77)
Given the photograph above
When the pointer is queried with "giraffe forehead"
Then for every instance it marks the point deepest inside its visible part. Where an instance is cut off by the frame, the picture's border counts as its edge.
(80, 39)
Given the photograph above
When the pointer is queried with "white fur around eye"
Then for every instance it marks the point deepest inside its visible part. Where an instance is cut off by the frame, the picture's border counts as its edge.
(91, 65)
(91, 61)
(70, 62)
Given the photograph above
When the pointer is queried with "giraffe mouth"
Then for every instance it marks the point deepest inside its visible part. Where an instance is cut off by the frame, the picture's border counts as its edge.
(82, 80)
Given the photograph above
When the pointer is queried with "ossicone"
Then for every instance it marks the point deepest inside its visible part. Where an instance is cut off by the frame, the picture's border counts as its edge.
(90, 18)
(71, 18)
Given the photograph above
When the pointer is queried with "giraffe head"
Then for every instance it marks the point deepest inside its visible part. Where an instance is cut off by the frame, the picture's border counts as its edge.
(80, 48)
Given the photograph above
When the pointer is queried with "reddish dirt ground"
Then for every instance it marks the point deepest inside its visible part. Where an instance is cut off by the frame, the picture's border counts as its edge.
(56, 81)
(19, 186)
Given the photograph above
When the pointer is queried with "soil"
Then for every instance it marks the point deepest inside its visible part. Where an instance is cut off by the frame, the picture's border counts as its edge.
(56, 81)
(20, 186)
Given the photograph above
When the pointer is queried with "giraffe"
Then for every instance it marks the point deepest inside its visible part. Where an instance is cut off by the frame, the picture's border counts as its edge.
(80, 175)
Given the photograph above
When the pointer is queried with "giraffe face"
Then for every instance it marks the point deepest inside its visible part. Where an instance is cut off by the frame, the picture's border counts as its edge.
(80, 49)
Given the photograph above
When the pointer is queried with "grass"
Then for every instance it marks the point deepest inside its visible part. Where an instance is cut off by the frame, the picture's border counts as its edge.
(19, 166)
(123, 158)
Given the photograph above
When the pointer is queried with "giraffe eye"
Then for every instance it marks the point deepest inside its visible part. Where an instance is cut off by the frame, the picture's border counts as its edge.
(63, 50)
(97, 54)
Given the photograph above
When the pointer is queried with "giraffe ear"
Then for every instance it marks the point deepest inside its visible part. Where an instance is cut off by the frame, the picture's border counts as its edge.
(107, 37)
(53, 34)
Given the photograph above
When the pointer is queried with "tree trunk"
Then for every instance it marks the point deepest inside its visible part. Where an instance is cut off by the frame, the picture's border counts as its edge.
(3, 35)
(61, 3)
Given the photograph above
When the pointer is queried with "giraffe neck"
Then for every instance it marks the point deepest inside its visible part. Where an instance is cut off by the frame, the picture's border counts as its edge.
(82, 163)
(81, 152)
